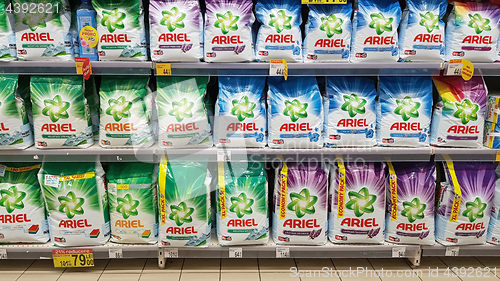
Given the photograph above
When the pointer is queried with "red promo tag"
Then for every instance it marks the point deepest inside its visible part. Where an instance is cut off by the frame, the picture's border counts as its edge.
(83, 67)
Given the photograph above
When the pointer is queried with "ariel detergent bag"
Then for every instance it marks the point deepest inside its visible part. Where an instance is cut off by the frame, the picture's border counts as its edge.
(328, 33)
(375, 31)
(8, 50)
(493, 234)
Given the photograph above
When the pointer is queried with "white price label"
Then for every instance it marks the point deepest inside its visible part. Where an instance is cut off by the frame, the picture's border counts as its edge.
(115, 254)
(3, 168)
(277, 69)
(454, 69)
(172, 253)
(235, 252)
(451, 251)
(223, 156)
(51, 180)
(399, 252)
(3, 254)
(282, 253)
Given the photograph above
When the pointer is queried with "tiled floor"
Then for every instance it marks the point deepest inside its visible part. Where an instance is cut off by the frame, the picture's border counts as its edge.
(431, 268)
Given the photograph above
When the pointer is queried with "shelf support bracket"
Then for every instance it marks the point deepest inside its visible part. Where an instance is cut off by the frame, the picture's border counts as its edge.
(415, 259)
(162, 261)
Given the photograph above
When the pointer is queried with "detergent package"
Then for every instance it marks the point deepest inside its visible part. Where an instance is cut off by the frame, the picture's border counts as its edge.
(8, 51)
(357, 203)
(22, 207)
(182, 114)
(77, 203)
(295, 113)
(493, 234)
(458, 118)
(375, 31)
(328, 33)
(240, 112)
(120, 25)
(279, 36)
(411, 191)
(60, 112)
(404, 111)
(465, 202)
(472, 32)
(300, 205)
(228, 31)
(176, 30)
(350, 112)
(132, 202)
(184, 204)
(242, 204)
(421, 34)
(126, 107)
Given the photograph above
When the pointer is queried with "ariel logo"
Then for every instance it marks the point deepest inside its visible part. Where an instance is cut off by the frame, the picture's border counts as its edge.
(243, 108)
(113, 20)
(407, 108)
(302, 203)
(361, 202)
(354, 105)
(12, 199)
(56, 109)
(71, 205)
(479, 23)
(413, 210)
(331, 25)
(119, 108)
(173, 19)
(127, 206)
(226, 22)
(430, 21)
(280, 21)
(241, 205)
(35, 20)
(181, 109)
(181, 214)
(380, 23)
(295, 109)
(474, 210)
(467, 111)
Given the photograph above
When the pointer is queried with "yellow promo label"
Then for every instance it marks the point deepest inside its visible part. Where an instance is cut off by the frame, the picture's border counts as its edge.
(498, 156)
(393, 181)
(122, 186)
(283, 188)
(88, 37)
(324, 1)
(163, 69)
(341, 190)
(161, 184)
(88, 175)
(457, 199)
(222, 192)
(73, 258)
(22, 169)
(461, 67)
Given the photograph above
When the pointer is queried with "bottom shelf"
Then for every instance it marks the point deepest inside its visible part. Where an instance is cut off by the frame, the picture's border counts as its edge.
(462, 251)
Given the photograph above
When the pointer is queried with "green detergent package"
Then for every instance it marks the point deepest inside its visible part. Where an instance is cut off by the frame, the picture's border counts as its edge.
(22, 208)
(77, 203)
(8, 50)
(132, 202)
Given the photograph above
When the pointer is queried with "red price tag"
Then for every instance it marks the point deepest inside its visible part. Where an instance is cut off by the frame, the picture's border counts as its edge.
(83, 67)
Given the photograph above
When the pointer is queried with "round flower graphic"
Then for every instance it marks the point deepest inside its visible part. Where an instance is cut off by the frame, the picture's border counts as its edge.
(474, 210)
(181, 213)
(241, 205)
(280, 21)
(113, 20)
(127, 206)
(479, 23)
(35, 20)
(361, 202)
(295, 109)
(430, 21)
(380, 23)
(119, 108)
(173, 19)
(331, 25)
(56, 108)
(302, 203)
(12, 199)
(413, 210)
(181, 109)
(467, 111)
(354, 105)
(243, 108)
(71, 205)
(407, 108)
(226, 22)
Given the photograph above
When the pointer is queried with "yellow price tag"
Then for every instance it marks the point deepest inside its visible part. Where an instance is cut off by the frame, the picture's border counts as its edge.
(460, 67)
(163, 69)
(73, 258)
(498, 156)
(278, 67)
(324, 1)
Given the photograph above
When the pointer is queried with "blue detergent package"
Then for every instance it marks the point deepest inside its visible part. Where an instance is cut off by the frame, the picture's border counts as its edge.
(279, 36)
(404, 111)
(421, 33)
(350, 112)
(328, 33)
(240, 112)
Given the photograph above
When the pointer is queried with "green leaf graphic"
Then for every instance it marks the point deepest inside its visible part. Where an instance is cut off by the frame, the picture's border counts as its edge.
(113, 20)
(407, 108)
(354, 105)
(181, 109)
(56, 109)
(302, 203)
(241, 205)
(331, 25)
(280, 21)
(71, 205)
(430, 21)
(361, 202)
(243, 108)
(119, 108)
(467, 111)
(380, 23)
(12, 199)
(479, 23)
(295, 109)
(226, 22)
(181, 214)
(474, 210)
(35, 20)
(173, 19)
(413, 210)
(127, 206)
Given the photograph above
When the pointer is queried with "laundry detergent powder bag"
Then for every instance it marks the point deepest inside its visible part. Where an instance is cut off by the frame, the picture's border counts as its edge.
(458, 118)
(493, 234)
(176, 30)
(228, 31)
(126, 109)
(295, 113)
(350, 115)
(404, 111)
(240, 112)
(120, 25)
(22, 208)
(472, 32)
(132, 202)
(375, 31)
(182, 113)
(77, 203)
(410, 203)
(328, 33)
(300, 205)
(465, 202)
(184, 204)
(8, 50)
(279, 36)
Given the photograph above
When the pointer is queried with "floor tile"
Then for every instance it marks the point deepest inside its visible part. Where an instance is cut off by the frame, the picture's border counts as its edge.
(313, 264)
(126, 276)
(434, 269)
(39, 277)
(276, 265)
(467, 268)
(278, 276)
(200, 276)
(172, 265)
(10, 276)
(79, 276)
(44, 266)
(394, 269)
(239, 265)
(240, 276)
(355, 269)
(156, 276)
(14, 266)
(132, 266)
(201, 265)
(492, 262)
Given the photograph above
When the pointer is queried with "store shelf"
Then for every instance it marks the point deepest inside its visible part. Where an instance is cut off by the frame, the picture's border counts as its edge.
(463, 251)
(465, 154)
(487, 69)
(68, 68)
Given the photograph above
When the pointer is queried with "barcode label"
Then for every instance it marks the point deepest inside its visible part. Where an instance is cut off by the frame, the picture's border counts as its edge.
(235, 252)
(452, 251)
(282, 253)
(172, 253)
(3, 254)
(115, 254)
(399, 252)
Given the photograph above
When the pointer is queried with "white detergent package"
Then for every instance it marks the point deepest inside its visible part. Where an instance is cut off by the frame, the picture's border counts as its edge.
(328, 33)
(462, 220)
(279, 36)
(228, 31)
(375, 31)
(404, 111)
(240, 112)
(176, 29)
(357, 203)
(300, 205)
(8, 51)
(422, 31)
(411, 189)
(472, 32)
(295, 113)
(77, 203)
(350, 112)
(493, 234)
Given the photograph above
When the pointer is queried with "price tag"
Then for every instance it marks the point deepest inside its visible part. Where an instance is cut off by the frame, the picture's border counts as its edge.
(172, 253)
(3, 254)
(282, 253)
(278, 68)
(498, 156)
(235, 252)
(399, 252)
(163, 69)
(223, 156)
(460, 67)
(451, 251)
(324, 1)
(83, 67)
(3, 168)
(115, 254)
(73, 258)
